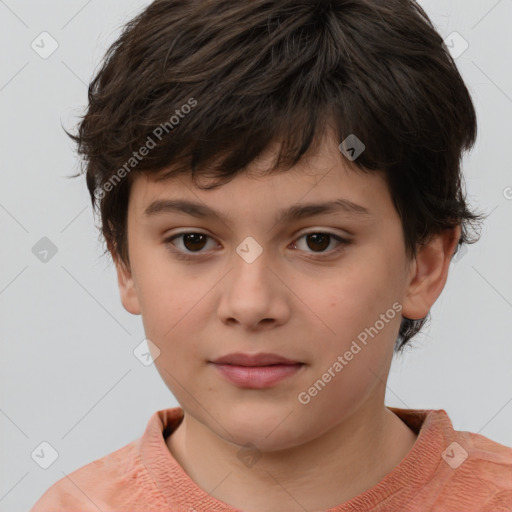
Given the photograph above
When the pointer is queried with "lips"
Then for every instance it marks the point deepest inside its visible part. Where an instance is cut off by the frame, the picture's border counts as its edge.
(263, 359)
(256, 371)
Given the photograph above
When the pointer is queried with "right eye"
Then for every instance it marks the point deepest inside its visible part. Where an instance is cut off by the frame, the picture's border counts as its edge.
(191, 243)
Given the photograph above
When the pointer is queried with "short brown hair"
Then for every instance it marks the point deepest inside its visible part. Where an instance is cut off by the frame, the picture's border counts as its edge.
(256, 72)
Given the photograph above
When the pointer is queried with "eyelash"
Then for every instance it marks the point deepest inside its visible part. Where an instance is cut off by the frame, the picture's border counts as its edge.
(197, 255)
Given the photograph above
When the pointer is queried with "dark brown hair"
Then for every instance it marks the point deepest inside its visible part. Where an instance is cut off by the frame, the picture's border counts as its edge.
(206, 85)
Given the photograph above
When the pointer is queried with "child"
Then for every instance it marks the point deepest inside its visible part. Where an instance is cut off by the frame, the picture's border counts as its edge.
(223, 140)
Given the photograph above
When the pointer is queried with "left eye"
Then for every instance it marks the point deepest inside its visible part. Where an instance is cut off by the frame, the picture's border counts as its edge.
(193, 242)
(320, 241)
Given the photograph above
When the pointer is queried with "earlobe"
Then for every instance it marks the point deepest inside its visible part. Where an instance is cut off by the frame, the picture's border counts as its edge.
(127, 290)
(429, 273)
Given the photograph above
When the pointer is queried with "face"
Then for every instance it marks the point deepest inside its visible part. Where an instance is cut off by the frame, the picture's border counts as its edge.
(324, 290)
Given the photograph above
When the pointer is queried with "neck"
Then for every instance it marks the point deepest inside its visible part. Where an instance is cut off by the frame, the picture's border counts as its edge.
(353, 457)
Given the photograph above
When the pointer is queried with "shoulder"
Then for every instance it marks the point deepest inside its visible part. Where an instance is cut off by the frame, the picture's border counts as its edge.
(451, 469)
(476, 473)
(488, 466)
(116, 479)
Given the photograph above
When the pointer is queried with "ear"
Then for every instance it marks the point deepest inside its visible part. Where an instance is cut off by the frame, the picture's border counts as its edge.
(428, 273)
(129, 297)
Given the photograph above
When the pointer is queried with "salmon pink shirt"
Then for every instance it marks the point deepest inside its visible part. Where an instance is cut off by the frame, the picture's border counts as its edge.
(445, 471)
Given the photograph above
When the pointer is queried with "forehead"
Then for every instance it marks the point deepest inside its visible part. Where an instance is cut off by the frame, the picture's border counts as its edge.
(323, 177)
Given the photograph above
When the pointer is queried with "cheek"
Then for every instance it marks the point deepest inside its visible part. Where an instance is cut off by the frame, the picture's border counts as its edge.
(165, 295)
(358, 307)
(346, 298)
(174, 312)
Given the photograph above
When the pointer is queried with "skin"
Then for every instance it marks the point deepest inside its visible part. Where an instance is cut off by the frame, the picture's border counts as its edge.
(344, 441)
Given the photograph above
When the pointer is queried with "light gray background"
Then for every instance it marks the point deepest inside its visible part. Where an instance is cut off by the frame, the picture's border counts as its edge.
(68, 372)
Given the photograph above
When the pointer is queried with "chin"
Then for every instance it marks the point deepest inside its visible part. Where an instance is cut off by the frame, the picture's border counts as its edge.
(268, 432)
(258, 440)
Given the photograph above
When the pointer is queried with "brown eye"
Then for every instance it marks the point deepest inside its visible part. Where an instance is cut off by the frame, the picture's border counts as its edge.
(188, 243)
(194, 241)
(318, 242)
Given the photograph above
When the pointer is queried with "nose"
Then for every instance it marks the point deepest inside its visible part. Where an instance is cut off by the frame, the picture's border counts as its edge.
(254, 296)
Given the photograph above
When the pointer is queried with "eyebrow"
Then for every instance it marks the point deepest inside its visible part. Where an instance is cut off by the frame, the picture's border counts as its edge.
(295, 212)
